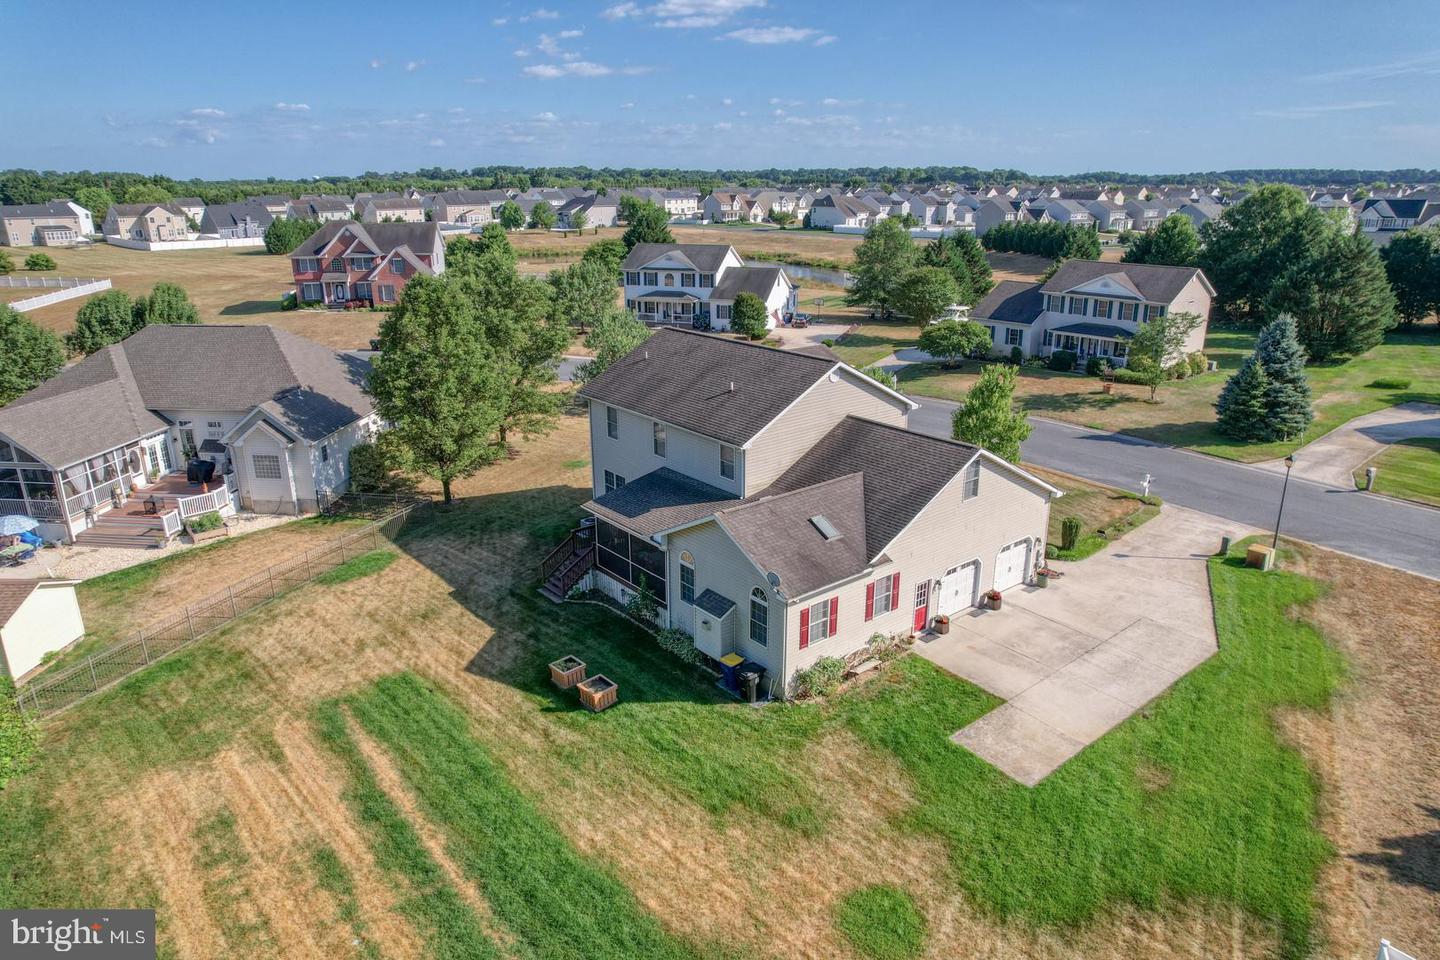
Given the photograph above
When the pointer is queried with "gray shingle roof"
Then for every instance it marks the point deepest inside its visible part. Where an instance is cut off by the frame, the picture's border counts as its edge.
(381, 237)
(714, 604)
(1159, 284)
(707, 257)
(660, 500)
(737, 280)
(1012, 301)
(776, 533)
(684, 378)
(225, 215)
(112, 397)
(55, 208)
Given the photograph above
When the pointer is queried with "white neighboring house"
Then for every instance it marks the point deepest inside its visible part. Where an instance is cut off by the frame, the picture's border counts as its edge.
(838, 210)
(37, 617)
(99, 452)
(695, 285)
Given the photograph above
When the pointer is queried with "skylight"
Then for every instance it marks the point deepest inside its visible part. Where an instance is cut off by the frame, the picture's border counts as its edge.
(826, 528)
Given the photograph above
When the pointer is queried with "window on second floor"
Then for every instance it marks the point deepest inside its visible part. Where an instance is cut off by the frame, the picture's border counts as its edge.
(307, 264)
(652, 278)
(337, 264)
(727, 461)
(1077, 306)
(397, 266)
(707, 279)
(613, 481)
(632, 278)
(612, 423)
(970, 481)
(687, 279)
(1127, 312)
(1102, 308)
(658, 438)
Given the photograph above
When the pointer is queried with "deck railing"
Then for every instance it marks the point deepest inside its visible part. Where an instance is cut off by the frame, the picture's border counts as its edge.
(171, 522)
(39, 509)
(199, 503)
(557, 557)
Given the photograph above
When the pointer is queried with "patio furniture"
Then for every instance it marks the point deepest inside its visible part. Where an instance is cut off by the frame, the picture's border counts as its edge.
(598, 693)
(567, 672)
(14, 523)
(152, 506)
(16, 554)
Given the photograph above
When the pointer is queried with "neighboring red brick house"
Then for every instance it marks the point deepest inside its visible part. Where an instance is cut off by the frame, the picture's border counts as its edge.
(345, 263)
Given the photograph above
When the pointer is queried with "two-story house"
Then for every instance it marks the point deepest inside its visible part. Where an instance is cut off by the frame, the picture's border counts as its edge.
(1072, 212)
(778, 509)
(1092, 308)
(59, 223)
(392, 210)
(324, 209)
(99, 453)
(349, 264)
(725, 206)
(593, 209)
(837, 210)
(473, 207)
(1145, 214)
(1382, 218)
(695, 285)
(146, 221)
(233, 221)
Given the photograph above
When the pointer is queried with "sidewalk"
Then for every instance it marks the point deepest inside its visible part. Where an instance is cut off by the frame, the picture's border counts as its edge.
(1333, 459)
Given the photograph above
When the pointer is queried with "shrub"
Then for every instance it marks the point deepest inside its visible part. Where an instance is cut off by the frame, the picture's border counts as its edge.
(6, 264)
(679, 643)
(821, 679)
(1062, 360)
(1096, 366)
(642, 604)
(881, 375)
(828, 341)
(885, 646)
(204, 522)
(1132, 377)
(1390, 383)
(748, 316)
(370, 468)
(1069, 533)
(39, 261)
(1017, 356)
(290, 301)
(1198, 363)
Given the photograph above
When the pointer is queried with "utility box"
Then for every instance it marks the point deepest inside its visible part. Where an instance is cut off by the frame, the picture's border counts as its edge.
(1260, 557)
(1369, 478)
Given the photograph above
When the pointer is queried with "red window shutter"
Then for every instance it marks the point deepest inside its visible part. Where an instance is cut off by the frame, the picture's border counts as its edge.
(895, 591)
(804, 627)
(869, 601)
(834, 613)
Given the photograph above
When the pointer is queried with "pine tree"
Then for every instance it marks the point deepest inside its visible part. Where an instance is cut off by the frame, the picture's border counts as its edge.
(1240, 408)
(1287, 396)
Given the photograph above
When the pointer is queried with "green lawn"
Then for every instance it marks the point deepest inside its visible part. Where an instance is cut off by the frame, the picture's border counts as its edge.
(1184, 414)
(874, 340)
(882, 922)
(1409, 469)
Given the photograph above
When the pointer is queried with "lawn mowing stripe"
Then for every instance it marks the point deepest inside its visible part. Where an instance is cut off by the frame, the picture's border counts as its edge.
(450, 927)
(555, 901)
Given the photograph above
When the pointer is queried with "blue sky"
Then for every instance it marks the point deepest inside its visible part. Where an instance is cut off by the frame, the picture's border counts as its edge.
(1049, 86)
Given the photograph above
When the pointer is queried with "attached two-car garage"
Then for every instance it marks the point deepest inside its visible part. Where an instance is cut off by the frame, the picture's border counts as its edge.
(960, 586)
(1011, 564)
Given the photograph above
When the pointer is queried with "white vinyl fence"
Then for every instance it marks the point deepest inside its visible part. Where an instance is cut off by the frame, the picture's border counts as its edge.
(69, 289)
(204, 243)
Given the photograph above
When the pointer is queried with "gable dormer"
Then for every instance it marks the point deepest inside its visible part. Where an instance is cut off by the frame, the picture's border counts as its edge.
(1113, 286)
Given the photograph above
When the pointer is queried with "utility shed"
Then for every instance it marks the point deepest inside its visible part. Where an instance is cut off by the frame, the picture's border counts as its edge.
(36, 617)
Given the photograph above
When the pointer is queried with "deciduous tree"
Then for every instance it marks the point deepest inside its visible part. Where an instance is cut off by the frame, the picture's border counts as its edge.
(749, 316)
(881, 260)
(284, 235)
(615, 333)
(582, 290)
(439, 382)
(579, 220)
(953, 339)
(988, 417)
(649, 223)
(1174, 242)
(542, 216)
(609, 253)
(147, 193)
(1338, 294)
(29, 354)
(781, 218)
(924, 293)
(1412, 262)
(103, 320)
(1159, 342)
(511, 216)
(167, 303)
(1250, 246)
(97, 200)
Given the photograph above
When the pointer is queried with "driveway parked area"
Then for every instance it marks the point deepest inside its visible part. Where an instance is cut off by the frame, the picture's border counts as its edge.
(1334, 458)
(1076, 658)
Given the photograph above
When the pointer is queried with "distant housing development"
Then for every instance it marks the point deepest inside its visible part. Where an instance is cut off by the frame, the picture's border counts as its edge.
(58, 223)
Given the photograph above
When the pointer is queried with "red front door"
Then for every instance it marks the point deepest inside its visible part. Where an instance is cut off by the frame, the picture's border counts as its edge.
(922, 606)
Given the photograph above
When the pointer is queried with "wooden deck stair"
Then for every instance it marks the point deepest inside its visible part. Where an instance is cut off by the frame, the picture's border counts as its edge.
(124, 530)
(567, 564)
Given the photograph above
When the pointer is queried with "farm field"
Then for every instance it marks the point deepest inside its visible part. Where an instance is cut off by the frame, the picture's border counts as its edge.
(330, 775)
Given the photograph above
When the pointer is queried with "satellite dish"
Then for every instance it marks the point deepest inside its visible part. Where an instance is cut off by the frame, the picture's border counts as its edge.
(774, 579)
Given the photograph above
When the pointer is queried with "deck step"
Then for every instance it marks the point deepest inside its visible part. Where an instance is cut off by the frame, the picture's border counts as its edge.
(100, 536)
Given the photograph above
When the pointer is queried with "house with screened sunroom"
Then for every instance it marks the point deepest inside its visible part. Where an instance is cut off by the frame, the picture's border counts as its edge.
(695, 285)
(1092, 308)
(779, 509)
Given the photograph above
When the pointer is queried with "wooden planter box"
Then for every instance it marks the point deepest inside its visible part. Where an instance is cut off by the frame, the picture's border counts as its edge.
(217, 533)
(598, 692)
(567, 672)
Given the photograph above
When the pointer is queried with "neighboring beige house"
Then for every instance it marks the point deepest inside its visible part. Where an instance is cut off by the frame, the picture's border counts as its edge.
(475, 207)
(725, 206)
(146, 221)
(194, 207)
(37, 617)
(58, 223)
(1092, 308)
(778, 508)
(597, 211)
(392, 210)
(695, 285)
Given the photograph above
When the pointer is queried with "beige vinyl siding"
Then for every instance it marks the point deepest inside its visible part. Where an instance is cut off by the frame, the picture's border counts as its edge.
(949, 532)
(633, 454)
(264, 495)
(47, 620)
(1194, 299)
(798, 429)
(721, 566)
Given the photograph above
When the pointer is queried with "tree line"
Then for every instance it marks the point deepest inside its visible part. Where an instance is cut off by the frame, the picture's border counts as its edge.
(1050, 239)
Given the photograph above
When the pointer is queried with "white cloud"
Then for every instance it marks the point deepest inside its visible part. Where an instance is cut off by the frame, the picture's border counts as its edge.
(540, 13)
(546, 117)
(772, 35)
(376, 63)
(522, 52)
(500, 21)
(571, 34)
(726, 101)
(436, 142)
(292, 107)
(1320, 109)
(628, 105)
(682, 14)
(456, 110)
(723, 125)
(580, 68)
(1426, 64)
(826, 40)
(474, 79)
(620, 11)
(207, 112)
(837, 102)
(412, 65)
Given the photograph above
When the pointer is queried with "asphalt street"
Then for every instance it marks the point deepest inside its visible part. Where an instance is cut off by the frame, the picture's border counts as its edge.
(1375, 528)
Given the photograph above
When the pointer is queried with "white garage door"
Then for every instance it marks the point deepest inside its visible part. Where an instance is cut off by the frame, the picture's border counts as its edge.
(957, 588)
(1011, 564)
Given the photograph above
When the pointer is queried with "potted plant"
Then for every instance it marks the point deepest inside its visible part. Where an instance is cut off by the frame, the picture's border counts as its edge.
(942, 624)
(567, 671)
(1042, 578)
(598, 692)
(993, 598)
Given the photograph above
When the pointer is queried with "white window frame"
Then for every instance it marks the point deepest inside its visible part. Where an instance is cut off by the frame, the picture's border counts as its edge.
(884, 583)
(970, 481)
(822, 621)
(1014, 337)
(312, 292)
(657, 438)
(727, 461)
(761, 624)
(256, 471)
(387, 293)
(612, 423)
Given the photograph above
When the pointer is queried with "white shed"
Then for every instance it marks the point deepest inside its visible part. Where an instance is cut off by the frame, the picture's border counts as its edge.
(36, 617)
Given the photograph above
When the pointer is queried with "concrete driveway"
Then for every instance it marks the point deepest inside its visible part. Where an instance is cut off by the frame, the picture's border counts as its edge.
(1076, 658)
(1334, 458)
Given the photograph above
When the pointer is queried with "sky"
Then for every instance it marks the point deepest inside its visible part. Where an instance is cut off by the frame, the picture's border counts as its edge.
(256, 89)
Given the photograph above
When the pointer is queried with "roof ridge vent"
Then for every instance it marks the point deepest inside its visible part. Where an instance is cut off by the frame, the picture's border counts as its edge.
(732, 386)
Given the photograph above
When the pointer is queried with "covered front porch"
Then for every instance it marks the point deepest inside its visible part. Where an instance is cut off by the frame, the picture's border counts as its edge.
(671, 308)
(1088, 340)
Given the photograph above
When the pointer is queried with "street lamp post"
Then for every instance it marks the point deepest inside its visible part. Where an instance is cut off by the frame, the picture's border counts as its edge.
(1289, 462)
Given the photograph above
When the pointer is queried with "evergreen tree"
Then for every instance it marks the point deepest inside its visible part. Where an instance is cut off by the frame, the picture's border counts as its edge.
(1174, 242)
(1339, 296)
(749, 316)
(1241, 407)
(988, 417)
(961, 255)
(1287, 392)
(1412, 262)
(29, 354)
(881, 261)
